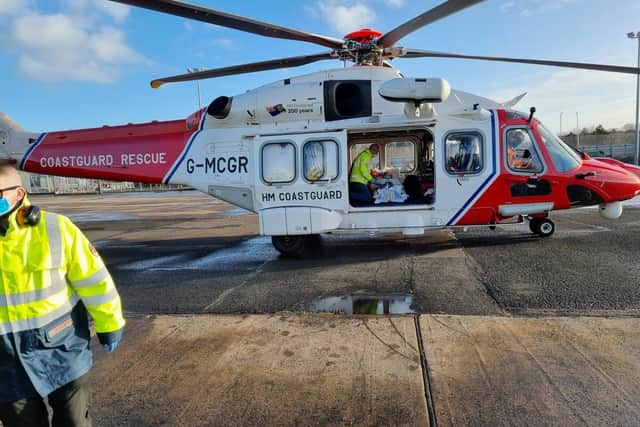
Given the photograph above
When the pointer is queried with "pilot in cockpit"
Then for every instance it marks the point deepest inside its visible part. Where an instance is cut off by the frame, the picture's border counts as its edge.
(519, 151)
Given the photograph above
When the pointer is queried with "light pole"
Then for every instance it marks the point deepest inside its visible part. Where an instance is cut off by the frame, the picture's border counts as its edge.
(197, 70)
(577, 130)
(636, 143)
(561, 113)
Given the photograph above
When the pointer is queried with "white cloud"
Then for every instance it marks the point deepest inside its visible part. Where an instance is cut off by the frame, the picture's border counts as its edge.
(39, 69)
(8, 7)
(47, 32)
(117, 11)
(505, 7)
(109, 46)
(78, 43)
(222, 42)
(91, 9)
(533, 7)
(545, 6)
(345, 18)
(394, 3)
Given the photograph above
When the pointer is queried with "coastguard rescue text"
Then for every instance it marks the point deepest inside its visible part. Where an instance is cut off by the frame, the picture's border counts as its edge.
(302, 196)
(106, 160)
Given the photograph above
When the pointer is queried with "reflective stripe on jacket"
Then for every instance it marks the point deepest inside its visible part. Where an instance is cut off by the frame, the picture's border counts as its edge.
(49, 274)
(360, 171)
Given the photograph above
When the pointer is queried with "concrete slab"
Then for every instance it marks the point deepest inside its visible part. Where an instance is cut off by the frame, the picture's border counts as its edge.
(262, 370)
(533, 371)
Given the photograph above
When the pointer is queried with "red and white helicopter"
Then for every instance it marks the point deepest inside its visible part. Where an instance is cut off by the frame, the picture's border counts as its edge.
(284, 150)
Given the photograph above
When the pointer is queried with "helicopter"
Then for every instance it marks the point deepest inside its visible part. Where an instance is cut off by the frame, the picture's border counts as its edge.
(285, 150)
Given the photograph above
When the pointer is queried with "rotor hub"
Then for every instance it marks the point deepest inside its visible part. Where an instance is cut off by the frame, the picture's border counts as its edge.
(364, 35)
(361, 47)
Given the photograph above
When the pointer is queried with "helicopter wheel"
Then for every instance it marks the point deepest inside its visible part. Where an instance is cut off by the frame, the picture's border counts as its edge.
(543, 227)
(295, 246)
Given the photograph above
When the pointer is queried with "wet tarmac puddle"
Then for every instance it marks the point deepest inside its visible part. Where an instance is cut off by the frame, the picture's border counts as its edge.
(364, 304)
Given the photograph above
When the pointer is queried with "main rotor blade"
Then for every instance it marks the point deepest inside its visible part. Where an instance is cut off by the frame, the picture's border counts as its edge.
(416, 53)
(273, 64)
(229, 20)
(442, 11)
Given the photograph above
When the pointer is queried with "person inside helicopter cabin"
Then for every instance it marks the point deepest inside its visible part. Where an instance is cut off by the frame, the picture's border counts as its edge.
(361, 186)
(520, 152)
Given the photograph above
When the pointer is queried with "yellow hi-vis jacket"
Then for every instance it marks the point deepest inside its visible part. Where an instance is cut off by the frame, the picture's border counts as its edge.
(360, 171)
(49, 274)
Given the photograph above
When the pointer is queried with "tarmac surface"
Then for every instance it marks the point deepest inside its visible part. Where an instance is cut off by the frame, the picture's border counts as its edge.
(508, 328)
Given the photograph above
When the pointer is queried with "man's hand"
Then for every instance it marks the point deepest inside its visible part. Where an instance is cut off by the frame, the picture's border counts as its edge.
(110, 347)
(373, 187)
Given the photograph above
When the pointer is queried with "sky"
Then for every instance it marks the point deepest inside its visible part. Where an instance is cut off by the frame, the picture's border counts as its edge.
(68, 64)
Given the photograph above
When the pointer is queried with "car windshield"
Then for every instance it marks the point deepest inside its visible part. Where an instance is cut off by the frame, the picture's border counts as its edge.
(564, 158)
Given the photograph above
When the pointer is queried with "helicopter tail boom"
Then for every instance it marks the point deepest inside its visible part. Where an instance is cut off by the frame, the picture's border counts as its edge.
(134, 152)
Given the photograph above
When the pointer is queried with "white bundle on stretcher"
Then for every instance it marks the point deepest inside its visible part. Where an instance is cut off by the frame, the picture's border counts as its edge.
(390, 190)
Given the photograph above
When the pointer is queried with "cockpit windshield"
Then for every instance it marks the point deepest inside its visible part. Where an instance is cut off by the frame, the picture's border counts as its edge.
(564, 158)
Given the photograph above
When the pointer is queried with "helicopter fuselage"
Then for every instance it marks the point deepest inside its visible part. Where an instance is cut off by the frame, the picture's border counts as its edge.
(285, 151)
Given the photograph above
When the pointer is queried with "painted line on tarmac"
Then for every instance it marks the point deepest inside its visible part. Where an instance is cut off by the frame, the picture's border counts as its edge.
(590, 228)
(250, 277)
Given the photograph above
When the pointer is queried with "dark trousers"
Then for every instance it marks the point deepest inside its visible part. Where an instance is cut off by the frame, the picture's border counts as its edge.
(70, 406)
(359, 194)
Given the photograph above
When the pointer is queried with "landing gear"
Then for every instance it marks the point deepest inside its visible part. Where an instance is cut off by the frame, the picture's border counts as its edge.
(543, 227)
(295, 246)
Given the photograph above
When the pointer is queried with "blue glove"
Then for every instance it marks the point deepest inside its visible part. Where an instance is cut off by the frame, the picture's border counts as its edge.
(110, 347)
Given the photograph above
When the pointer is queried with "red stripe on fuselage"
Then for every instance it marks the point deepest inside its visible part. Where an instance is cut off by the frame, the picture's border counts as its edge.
(135, 152)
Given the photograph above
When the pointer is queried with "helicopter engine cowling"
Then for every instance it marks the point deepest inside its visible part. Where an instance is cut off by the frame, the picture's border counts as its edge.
(278, 103)
(611, 210)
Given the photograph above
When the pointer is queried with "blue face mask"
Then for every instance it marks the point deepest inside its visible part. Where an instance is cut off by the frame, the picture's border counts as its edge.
(5, 206)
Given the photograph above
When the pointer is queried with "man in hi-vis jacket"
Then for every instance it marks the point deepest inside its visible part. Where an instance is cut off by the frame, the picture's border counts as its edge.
(361, 186)
(50, 277)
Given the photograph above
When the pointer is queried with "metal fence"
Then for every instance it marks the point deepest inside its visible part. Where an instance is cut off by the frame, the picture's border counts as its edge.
(622, 152)
(45, 184)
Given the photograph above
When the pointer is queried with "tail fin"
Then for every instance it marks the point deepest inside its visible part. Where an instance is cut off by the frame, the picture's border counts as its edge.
(7, 123)
(13, 140)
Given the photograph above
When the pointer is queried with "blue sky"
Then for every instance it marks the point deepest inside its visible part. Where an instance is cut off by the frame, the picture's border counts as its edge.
(83, 63)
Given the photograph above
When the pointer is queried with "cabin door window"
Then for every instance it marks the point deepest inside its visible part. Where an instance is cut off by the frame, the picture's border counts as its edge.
(464, 153)
(278, 163)
(401, 155)
(320, 160)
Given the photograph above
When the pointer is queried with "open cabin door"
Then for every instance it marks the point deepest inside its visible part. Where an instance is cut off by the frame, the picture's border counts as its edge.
(301, 184)
(402, 171)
